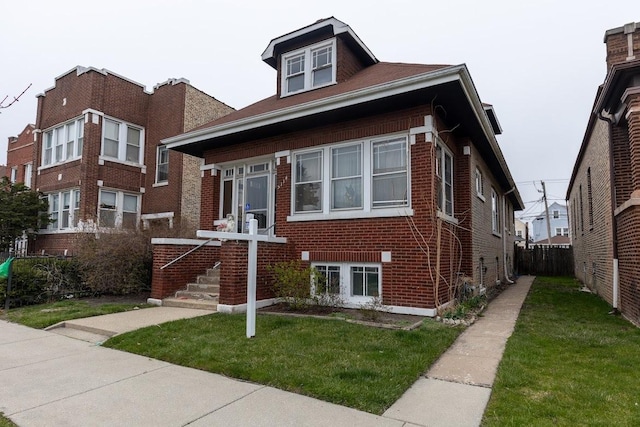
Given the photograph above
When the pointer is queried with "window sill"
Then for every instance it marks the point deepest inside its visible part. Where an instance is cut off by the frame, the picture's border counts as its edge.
(161, 184)
(285, 95)
(443, 216)
(496, 234)
(103, 159)
(53, 165)
(481, 197)
(378, 213)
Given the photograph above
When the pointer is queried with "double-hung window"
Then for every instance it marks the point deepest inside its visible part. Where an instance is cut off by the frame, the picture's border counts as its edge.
(309, 68)
(444, 173)
(64, 210)
(162, 164)
(352, 179)
(479, 185)
(63, 143)
(122, 141)
(118, 209)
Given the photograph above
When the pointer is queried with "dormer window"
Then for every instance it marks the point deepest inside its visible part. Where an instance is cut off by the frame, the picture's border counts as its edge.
(309, 68)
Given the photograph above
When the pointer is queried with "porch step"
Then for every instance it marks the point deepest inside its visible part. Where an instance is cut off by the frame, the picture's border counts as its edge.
(191, 303)
(203, 294)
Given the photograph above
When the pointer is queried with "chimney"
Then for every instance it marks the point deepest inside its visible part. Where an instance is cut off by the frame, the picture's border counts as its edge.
(623, 44)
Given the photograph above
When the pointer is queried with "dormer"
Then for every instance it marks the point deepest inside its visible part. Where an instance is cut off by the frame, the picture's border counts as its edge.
(321, 54)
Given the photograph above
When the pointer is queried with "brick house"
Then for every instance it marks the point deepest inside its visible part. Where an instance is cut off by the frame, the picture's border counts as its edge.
(604, 190)
(386, 177)
(98, 157)
(20, 156)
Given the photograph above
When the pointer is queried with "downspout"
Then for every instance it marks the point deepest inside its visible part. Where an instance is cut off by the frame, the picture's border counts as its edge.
(614, 225)
(504, 235)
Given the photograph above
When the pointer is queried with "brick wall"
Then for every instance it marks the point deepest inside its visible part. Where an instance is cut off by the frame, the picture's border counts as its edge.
(618, 44)
(409, 279)
(629, 267)
(20, 153)
(592, 245)
(166, 282)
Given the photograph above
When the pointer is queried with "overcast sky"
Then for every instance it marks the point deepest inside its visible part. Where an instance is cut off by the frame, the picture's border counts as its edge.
(538, 62)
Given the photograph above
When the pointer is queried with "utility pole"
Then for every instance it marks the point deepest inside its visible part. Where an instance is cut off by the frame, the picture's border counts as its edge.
(546, 211)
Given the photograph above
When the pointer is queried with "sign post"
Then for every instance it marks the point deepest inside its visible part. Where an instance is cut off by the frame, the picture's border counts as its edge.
(252, 268)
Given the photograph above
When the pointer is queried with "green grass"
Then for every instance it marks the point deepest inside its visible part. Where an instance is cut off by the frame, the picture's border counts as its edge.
(43, 315)
(568, 363)
(348, 364)
(6, 422)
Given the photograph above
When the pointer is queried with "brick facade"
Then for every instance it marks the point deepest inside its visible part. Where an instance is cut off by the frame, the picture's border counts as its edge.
(608, 165)
(94, 95)
(20, 154)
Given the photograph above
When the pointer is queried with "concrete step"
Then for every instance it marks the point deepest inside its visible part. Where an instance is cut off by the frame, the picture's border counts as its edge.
(196, 295)
(200, 287)
(208, 280)
(95, 336)
(191, 303)
(213, 271)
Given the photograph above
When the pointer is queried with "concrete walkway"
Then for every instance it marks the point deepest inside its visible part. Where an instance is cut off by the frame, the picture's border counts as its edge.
(47, 379)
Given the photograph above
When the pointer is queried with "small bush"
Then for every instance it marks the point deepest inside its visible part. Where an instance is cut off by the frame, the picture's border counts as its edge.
(373, 309)
(38, 280)
(292, 283)
(115, 263)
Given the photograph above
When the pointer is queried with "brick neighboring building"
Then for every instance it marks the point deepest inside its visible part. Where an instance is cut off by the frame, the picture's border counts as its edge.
(386, 177)
(97, 155)
(604, 191)
(20, 156)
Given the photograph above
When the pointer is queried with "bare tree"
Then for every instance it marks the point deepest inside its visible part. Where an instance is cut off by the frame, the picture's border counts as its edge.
(15, 99)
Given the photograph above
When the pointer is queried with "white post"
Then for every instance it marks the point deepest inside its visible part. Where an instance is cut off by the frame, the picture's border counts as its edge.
(251, 277)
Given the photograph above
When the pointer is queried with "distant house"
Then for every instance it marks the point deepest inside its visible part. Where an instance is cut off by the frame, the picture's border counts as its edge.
(385, 177)
(20, 156)
(604, 191)
(3, 171)
(95, 154)
(522, 233)
(558, 224)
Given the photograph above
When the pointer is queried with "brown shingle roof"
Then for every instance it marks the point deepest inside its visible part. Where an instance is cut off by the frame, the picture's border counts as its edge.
(380, 73)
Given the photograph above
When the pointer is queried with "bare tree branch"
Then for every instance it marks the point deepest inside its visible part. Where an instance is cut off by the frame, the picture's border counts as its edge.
(15, 98)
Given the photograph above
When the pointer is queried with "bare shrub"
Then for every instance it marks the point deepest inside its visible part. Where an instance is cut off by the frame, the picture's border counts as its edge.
(116, 262)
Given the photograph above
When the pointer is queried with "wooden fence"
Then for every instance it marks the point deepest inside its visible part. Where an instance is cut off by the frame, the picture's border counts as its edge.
(544, 261)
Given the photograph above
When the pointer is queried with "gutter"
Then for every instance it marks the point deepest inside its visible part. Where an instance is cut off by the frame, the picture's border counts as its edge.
(614, 224)
(504, 235)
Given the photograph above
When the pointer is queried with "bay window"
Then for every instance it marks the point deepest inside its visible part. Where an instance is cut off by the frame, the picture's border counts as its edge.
(344, 179)
(63, 143)
(64, 210)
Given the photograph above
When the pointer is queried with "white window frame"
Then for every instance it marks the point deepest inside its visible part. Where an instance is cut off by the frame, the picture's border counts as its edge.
(122, 141)
(308, 71)
(73, 213)
(119, 207)
(445, 194)
(346, 285)
(368, 208)
(59, 145)
(14, 174)
(479, 185)
(28, 171)
(495, 212)
(160, 150)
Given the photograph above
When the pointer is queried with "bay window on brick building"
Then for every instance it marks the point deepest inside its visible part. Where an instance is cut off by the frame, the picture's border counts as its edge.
(95, 154)
(352, 168)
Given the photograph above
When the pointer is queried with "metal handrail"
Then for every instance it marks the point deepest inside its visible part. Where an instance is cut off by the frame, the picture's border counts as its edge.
(186, 253)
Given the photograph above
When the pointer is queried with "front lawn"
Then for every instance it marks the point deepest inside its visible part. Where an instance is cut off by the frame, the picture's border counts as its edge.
(44, 315)
(6, 422)
(353, 365)
(567, 363)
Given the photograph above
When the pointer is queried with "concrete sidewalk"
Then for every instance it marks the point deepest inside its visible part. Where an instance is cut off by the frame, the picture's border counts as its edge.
(53, 380)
